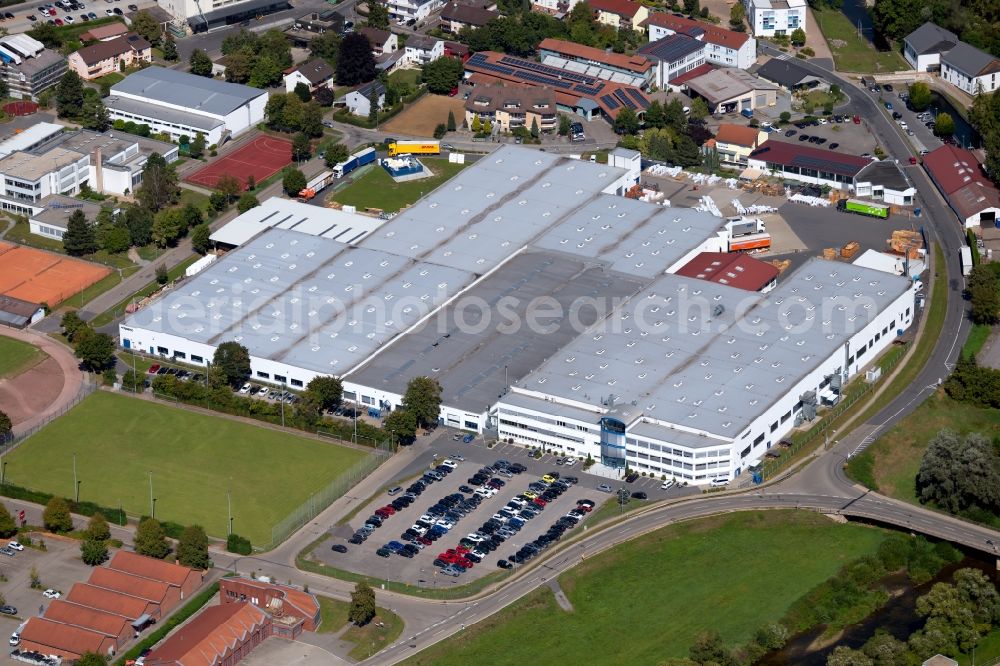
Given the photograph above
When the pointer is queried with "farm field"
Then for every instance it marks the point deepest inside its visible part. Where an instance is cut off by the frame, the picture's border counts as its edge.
(421, 117)
(194, 458)
(750, 568)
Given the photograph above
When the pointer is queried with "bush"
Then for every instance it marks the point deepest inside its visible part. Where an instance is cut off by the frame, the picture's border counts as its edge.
(239, 545)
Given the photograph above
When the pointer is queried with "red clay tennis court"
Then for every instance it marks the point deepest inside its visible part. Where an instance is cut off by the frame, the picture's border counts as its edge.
(42, 277)
(260, 158)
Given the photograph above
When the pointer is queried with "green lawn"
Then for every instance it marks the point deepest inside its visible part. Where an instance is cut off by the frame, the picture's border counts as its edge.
(194, 458)
(977, 338)
(730, 573)
(376, 189)
(332, 613)
(890, 465)
(852, 53)
(110, 79)
(409, 77)
(377, 634)
(17, 356)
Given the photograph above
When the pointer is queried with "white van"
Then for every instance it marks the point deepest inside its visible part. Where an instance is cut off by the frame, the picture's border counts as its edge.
(719, 482)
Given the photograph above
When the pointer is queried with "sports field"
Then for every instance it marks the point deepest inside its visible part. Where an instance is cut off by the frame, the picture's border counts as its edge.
(645, 601)
(194, 459)
(16, 356)
(261, 157)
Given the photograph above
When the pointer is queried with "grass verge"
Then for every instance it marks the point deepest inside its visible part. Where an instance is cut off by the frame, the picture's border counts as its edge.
(189, 609)
(81, 298)
(374, 636)
(376, 189)
(118, 309)
(17, 356)
(851, 52)
(787, 554)
(977, 338)
(332, 614)
(194, 459)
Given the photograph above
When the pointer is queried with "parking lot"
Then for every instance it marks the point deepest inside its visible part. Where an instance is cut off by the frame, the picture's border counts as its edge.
(842, 137)
(420, 569)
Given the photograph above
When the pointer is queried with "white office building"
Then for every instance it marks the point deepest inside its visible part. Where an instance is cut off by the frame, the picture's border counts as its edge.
(770, 18)
(182, 104)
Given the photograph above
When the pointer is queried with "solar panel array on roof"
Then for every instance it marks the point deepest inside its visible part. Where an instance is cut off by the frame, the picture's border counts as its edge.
(590, 91)
(639, 98)
(625, 99)
(545, 69)
(610, 101)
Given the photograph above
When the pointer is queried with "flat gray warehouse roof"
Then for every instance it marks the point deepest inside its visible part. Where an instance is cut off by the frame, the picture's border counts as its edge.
(198, 93)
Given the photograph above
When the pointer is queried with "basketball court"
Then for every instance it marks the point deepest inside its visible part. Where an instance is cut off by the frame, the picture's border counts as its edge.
(37, 276)
(261, 158)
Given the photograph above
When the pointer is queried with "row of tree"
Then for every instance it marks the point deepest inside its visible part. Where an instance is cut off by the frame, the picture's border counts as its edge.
(961, 474)
(288, 113)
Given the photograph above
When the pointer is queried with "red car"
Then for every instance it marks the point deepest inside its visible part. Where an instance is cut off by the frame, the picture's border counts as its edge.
(153, 368)
(390, 509)
(586, 508)
(453, 92)
(424, 540)
(538, 501)
(464, 563)
(462, 550)
(58, 21)
(857, 120)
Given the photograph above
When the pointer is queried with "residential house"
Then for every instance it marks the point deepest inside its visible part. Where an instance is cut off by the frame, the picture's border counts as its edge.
(620, 13)
(923, 47)
(724, 47)
(458, 15)
(734, 144)
(359, 101)
(110, 56)
(421, 49)
(805, 164)
(885, 180)
(970, 69)
(103, 33)
(675, 55)
(634, 70)
(28, 67)
(731, 90)
(382, 41)
(316, 73)
(412, 10)
(304, 28)
(789, 75)
(508, 107)
(776, 18)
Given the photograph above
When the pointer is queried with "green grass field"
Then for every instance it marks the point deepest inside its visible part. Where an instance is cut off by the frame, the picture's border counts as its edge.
(852, 53)
(890, 465)
(376, 189)
(194, 458)
(17, 356)
(646, 600)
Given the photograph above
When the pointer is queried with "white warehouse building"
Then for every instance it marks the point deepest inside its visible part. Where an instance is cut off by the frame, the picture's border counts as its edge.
(514, 286)
(182, 104)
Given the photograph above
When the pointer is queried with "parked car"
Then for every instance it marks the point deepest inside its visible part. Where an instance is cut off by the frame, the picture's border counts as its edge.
(8, 610)
(604, 488)
(667, 485)
(51, 594)
(338, 548)
(15, 546)
(632, 477)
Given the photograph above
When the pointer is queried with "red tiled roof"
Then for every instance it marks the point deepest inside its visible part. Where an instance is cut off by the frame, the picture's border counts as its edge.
(86, 617)
(105, 31)
(210, 636)
(730, 268)
(703, 68)
(621, 7)
(149, 567)
(305, 602)
(795, 154)
(62, 636)
(107, 600)
(740, 135)
(632, 63)
(136, 586)
(952, 168)
(713, 33)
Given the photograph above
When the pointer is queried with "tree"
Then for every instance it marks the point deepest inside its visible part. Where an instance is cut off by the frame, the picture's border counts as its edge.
(378, 15)
(772, 636)
(147, 26)
(302, 91)
(229, 185)
(293, 181)
(192, 548)
(96, 351)
(70, 324)
(355, 62)
(798, 37)
(57, 517)
(69, 95)
(692, 7)
(170, 49)
(362, 604)
(944, 125)
(79, 238)
(93, 552)
(328, 391)
(674, 116)
(150, 540)
(239, 67)
(326, 46)
(197, 147)
(401, 423)
(737, 15)
(159, 184)
(440, 130)
(423, 400)
(312, 120)
(699, 109)
(452, 125)
(200, 241)
(686, 151)
(477, 125)
(534, 128)
(920, 96)
(96, 116)
(709, 649)
(565, 124)
(654, 115)
(958, 473)
(239, 545)
(626, 122)
(983, 286)
(200, 63)
(167, 227)
(91, 659)
(8, 527)
(443, 74)
(97, 528)
(301, 147)
(246, 202)
(233, 360)
(845, 656)
(336, 154)
(324, 97)
(47, 34)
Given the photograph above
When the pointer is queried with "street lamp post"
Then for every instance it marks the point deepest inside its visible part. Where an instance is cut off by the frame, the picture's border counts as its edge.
(152, 502)
(229, 505)
(76, 484)
(154, 508)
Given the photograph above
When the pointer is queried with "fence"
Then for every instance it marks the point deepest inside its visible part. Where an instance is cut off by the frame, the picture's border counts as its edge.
(323, 498)
(11, 439)
(799, 442)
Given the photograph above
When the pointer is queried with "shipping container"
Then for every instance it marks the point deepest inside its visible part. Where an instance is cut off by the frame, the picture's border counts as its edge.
(414, 148)
(863, 208)
(965, 254)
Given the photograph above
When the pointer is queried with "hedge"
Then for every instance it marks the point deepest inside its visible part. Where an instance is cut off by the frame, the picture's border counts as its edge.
(189, 609)
(238, 544)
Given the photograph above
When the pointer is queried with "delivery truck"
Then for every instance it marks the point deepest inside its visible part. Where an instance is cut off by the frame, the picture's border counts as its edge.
(751, 242)
(358, 159)
(414, 148)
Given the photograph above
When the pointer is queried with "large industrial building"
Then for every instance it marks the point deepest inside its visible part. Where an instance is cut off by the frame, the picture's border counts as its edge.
(547, 307)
